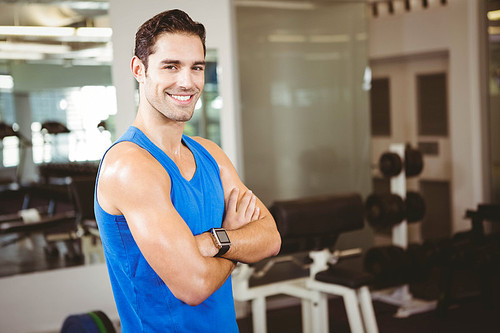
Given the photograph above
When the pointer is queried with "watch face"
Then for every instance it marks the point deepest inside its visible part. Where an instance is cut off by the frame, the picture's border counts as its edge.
(222, 236)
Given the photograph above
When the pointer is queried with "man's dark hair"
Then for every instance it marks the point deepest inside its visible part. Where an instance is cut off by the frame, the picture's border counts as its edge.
(170, 21)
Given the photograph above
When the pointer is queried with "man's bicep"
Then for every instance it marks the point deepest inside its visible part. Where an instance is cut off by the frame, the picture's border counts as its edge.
(161, 234)
(166, 243)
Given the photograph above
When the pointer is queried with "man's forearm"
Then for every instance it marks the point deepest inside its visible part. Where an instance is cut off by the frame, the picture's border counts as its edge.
(253, 242)
(206, 244)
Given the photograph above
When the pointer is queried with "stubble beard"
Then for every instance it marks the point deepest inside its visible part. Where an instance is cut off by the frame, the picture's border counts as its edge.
(172, 112)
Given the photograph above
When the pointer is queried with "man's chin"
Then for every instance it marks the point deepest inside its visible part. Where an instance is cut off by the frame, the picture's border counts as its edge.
(184, 119)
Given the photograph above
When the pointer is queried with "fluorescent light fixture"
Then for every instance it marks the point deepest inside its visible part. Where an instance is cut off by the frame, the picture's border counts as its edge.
(36, 31)
(277, 4)
(34, 47)
(88, 5)
(329, 38)
(104, 53)
(21, 55)
(494, 15)
(94, 32)
(278, 38)
(6, 82)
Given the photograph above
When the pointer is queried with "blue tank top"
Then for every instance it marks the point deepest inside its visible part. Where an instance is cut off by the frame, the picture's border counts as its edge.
(144, 302)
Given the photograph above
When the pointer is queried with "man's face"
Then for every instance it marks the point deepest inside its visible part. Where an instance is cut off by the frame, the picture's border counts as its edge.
(175, 75)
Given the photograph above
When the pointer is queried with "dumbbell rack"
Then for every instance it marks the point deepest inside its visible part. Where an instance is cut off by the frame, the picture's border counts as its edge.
(401, 296)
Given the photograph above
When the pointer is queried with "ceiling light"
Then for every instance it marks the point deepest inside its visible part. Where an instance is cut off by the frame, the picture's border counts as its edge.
(329, 38)
(88, 5)
(277, 4)
(94, 32)
(21, 55)
(37, 31)
(494, 15)
(278, 38)
(67, 33)
(34, 47)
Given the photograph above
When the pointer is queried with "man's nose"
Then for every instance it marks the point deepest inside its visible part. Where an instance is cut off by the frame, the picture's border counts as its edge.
(185, 79)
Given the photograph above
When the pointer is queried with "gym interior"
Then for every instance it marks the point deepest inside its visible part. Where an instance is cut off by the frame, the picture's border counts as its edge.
(368, 127)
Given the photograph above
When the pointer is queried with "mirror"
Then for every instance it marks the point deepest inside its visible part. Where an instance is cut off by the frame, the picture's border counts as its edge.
(57, 109)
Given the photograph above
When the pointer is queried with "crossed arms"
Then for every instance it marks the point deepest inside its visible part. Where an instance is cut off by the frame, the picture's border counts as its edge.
(130, 177)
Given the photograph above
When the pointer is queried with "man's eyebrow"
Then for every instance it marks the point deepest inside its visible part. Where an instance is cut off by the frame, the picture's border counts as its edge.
(177, 62)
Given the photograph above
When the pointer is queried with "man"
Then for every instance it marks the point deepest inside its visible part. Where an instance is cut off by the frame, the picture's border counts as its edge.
(160, 193)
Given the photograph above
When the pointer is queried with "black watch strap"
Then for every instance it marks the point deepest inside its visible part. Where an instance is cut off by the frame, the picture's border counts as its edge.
(222, 250)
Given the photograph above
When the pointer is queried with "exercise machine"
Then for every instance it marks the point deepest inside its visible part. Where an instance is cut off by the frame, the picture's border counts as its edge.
(312, 226)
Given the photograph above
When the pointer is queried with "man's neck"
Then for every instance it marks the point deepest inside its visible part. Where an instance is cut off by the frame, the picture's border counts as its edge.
(163, 132)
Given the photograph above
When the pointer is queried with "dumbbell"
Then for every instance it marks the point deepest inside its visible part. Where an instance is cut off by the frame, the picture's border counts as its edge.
(388, 209)
(384, 210)
(391, 164)
(415, 207)
(388, 264)
(422, 258)
(392, 265)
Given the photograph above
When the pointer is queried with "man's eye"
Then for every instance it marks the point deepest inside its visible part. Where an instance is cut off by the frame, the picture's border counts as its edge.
(199, 68)
(170, 67)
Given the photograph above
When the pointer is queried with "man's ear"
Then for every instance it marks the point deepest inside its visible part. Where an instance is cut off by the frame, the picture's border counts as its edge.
(138, 69)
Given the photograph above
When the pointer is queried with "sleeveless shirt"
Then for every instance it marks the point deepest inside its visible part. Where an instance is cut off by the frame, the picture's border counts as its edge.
(143, 300)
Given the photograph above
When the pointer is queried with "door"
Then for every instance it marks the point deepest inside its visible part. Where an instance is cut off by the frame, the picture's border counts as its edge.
(409, 104)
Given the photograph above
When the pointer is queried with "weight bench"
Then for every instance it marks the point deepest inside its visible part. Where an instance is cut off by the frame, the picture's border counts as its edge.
(312, 225)
(68, 226)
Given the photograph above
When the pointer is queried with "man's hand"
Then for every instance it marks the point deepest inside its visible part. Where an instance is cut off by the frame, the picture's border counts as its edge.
(239, 213)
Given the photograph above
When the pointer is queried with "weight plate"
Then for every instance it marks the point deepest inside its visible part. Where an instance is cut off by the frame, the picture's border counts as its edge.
(81, 323)
(106, 321)
(390, 164)
(414, 162)
(415, 207)
(98, 322)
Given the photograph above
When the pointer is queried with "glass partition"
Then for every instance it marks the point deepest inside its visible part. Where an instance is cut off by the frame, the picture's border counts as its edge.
(304, 100)
(304, 103)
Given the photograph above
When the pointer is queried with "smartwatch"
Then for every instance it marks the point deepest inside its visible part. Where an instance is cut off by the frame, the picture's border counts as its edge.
(221, 240)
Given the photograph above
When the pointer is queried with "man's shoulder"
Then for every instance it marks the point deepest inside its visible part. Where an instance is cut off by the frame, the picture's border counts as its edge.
(212, 148)
(127, 158)
(206, 143)
(216, 152)
(125, 152)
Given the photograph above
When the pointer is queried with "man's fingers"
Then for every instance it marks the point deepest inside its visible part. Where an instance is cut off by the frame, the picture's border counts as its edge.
(244, 202)
(256, 214)
(251, 208)
(233, 199)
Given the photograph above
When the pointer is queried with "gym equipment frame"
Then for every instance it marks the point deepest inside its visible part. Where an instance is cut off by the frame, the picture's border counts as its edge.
(312, 225)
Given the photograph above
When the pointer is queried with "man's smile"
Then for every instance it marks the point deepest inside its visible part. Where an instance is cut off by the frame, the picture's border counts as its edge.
(181, 98)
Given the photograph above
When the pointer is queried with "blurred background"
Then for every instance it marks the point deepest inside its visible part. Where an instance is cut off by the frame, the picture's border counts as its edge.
(303, 95)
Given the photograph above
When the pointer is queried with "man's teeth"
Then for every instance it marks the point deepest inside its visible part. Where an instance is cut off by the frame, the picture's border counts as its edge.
(181, 98)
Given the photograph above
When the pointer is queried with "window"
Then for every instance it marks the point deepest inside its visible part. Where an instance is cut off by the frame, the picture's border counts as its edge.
(206, 118)
(380, 107)
(9, 144)
(81, 111)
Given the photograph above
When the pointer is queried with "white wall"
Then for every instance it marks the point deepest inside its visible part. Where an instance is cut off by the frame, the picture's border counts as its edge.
(454, 28)
(217, 16)
(40, 302)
